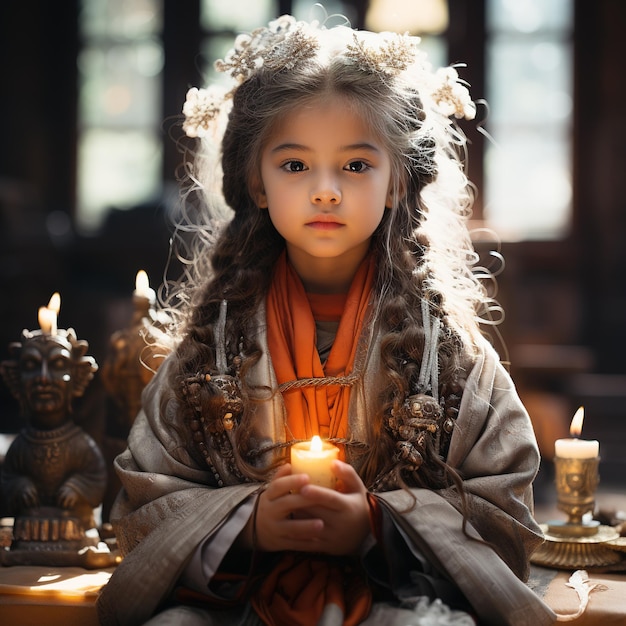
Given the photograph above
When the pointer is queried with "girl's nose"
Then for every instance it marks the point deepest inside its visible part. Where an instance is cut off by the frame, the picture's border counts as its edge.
(326, 192)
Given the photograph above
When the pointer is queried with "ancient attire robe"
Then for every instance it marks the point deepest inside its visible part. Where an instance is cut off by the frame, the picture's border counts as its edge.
(168, 506)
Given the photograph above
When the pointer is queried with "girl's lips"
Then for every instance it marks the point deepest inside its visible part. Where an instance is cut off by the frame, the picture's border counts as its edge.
(324, 225)
(324, 222)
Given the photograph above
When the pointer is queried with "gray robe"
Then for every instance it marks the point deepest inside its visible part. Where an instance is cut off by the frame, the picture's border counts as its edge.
(166, 510)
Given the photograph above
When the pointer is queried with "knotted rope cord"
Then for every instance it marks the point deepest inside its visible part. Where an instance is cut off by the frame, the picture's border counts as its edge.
(349, 443)
(343, 381)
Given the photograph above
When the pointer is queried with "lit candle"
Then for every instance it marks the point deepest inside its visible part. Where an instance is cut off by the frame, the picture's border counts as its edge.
(47, 315)
(55, 302)
(576, 448)
(315, 458)
(142, 286)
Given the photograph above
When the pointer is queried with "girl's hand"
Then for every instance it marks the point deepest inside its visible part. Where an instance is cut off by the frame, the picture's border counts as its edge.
(294, 515)
(344, 513)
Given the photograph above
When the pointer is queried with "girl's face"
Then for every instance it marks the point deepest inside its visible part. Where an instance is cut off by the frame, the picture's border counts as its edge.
(326, 180)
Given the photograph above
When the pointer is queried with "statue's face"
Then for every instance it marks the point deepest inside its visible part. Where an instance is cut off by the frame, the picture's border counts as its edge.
(45, 372)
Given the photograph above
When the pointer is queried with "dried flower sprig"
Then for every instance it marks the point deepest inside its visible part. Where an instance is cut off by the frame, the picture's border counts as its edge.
(393, 55)
(283, 43)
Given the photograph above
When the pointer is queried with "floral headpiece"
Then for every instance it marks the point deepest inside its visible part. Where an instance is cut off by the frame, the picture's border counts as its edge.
(286, 43)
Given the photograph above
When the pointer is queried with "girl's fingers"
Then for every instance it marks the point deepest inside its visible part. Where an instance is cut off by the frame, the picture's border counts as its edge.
(284, 483)
(348, 483)
(349, 480)
(283, 470)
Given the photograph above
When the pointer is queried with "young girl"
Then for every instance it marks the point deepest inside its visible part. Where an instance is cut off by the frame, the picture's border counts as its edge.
(338, 300)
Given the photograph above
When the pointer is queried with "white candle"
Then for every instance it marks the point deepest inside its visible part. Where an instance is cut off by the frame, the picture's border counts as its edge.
(142, 286)
(575, 448)
(315, 458)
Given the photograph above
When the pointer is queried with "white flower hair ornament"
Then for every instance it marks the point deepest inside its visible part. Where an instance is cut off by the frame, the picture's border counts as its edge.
(451, 96)
(285, 43)
(201, 107)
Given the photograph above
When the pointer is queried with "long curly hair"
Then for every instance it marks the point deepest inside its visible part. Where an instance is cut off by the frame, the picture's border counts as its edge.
(422, 246)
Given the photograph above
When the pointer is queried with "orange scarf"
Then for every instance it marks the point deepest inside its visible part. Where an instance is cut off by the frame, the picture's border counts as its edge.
(298, 589)
(291, 336)
(300, 586)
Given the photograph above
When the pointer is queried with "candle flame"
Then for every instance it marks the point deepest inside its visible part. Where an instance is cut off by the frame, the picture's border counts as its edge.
(43, 317)
(142, 284)
(316, 444)
(55, 302)
(576, 427)
(47, 315)
(47, 320)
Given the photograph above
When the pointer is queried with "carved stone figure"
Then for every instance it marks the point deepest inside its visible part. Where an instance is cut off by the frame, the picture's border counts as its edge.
(54, 474)
(133, 357)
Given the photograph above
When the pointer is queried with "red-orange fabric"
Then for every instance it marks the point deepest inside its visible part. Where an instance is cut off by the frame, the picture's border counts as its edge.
(296, 591)
(300, 586)
(312, 411)
(327, 307)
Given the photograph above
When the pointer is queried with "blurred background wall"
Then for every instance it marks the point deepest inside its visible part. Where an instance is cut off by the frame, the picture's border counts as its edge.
(91, 94)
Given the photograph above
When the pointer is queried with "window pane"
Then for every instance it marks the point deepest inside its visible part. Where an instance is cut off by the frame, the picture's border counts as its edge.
(119, 145)
(116, 170)
(528, 185)
(119, 84)
(529, 15)
(530, 82)
(237, 16)
(529, 74)
(120, 18)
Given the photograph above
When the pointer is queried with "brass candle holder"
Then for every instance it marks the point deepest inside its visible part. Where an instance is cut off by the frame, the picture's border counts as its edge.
(579, 542)
(576, 484)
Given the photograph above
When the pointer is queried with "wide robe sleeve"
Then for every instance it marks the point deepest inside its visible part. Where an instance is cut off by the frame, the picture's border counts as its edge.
(494, 450)
(165, 509)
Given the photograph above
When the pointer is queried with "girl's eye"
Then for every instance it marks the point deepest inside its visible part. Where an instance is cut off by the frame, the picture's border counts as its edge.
(294, 166)
(357, 166)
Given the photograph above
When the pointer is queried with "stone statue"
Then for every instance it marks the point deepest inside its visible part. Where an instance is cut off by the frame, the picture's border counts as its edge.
(54, 474)
(134, 355)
